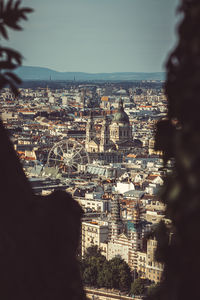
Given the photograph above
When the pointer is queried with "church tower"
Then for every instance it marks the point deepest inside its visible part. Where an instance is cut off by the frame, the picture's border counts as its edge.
(83, 97)
(116, 224)
(105, 135)
(134, 234)
(90, 131)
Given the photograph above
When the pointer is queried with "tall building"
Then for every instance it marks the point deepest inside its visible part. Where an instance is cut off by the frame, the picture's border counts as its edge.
(135, 237)
(83, 98)
(94, 233)
(105, 135)
(116, 227)
(90, 133)
(154, 269)
(118, 243)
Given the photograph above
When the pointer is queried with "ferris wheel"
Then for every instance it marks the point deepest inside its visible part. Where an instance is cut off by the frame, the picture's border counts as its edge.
(66, 155)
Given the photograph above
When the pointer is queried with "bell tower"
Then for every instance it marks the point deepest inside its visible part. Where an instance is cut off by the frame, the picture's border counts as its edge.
(105, 135)
(116, 224)
(90, 130)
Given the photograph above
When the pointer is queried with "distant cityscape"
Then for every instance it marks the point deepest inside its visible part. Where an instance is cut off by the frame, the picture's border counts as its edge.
(95, 140)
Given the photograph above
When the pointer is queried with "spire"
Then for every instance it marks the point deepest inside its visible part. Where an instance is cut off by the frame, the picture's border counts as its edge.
(91, 115)
(116, 223)
(90, 130)
(115, 210)
(121, 106)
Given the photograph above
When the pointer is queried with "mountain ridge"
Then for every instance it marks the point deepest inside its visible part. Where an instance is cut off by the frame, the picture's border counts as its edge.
(42, 73)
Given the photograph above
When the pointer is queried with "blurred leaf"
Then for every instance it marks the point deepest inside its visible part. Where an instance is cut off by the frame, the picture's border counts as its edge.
(3, 81)
(14, 89)
(9, 4)
(3, 32)
(1, 7)
(10, 15)
(14, 26)
(11, 54)
(13, 77)
(27, 10)
(17, 4)
(7, 65)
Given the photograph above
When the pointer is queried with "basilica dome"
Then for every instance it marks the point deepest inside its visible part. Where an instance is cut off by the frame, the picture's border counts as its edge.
(120, 116)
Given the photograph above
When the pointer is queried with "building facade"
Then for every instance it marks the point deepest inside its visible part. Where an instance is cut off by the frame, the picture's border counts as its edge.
(94, 233)
(116, 134)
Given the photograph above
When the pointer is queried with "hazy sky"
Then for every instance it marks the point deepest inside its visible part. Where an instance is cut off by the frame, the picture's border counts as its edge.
(98, 35)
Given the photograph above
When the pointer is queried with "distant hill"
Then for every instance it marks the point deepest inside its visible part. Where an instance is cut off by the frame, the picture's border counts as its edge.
(37, 73)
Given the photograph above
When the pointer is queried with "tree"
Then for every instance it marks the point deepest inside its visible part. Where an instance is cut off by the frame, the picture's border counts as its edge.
(97, 271)
(137, 287)
(10, 16)
(93, 251)
(115, 268)
(90, 274)
(105, 276)
(125, 278)
(121, 274)
(91, 266)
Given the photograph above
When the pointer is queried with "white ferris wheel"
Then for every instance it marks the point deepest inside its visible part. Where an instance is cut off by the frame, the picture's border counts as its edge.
(66, 155)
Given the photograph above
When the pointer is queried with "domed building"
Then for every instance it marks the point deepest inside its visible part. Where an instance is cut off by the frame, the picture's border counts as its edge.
(115, 134)
(120, 129)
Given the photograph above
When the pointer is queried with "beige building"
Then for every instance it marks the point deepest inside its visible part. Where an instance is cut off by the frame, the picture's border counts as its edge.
(152, 150)
(153, 216)
(119, 246)
(154, 269)
(94, 233)
(114, 242)
(98, 205)
(141, 264)
(156, 205)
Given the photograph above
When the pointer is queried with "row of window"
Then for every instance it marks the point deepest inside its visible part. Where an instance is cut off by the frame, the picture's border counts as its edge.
(121, 133)
(154, 272)
(91, 229)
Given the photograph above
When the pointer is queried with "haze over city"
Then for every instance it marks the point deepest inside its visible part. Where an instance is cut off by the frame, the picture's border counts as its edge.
(98, 35)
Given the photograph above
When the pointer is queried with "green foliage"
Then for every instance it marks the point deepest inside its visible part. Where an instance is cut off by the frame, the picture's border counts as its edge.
(121, 274)
(91, 265)
(90, 273)
(10, 16)
(105, 276)
(98, 272)
(93, 251)
(138, 287)
(178, 136)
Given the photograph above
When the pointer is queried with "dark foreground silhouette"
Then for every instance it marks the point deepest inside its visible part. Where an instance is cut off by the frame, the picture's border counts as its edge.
(39, 237)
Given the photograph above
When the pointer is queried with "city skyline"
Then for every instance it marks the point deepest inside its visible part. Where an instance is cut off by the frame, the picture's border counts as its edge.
(98, 36)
